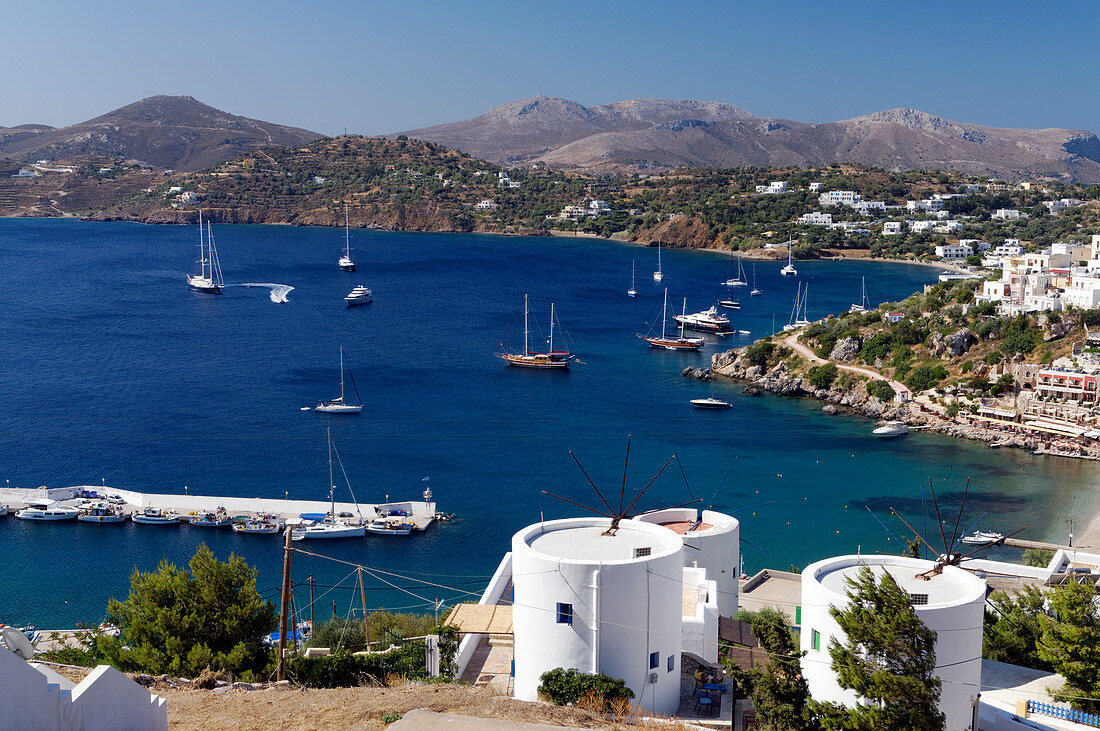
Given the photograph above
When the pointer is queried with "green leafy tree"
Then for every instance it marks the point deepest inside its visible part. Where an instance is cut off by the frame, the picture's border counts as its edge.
(182, 621)
(822, 376)
(779, 691)
(1071, 644)
(888, 658)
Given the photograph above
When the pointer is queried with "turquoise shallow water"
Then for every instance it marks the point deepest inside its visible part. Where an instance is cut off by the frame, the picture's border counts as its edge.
(114, 371)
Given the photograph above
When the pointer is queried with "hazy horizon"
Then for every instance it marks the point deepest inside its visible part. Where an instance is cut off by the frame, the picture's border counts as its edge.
(373, 68)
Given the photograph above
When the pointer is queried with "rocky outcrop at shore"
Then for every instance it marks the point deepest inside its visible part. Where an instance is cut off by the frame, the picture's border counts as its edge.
(850, 395)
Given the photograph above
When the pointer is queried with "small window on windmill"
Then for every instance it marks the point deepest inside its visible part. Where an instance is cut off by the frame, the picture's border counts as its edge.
(644, 551)
(918, 599)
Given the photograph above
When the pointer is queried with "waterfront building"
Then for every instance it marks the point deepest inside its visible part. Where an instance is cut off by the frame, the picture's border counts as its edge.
(949, 252)
(951, 603)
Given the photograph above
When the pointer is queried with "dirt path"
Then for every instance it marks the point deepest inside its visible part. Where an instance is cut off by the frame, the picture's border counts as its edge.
(791, 341)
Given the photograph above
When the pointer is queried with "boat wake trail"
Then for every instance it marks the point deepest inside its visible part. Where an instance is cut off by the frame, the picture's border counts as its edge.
(278, 291)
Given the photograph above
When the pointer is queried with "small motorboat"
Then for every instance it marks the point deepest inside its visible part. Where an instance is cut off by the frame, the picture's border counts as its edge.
(265, 525)
(101, 513)
(730, 304)
(745, 332)
(154, 516)
(359, 296)
(390, 527)
(710, 403)
(219, 519)
(891, 429)
(981, 538)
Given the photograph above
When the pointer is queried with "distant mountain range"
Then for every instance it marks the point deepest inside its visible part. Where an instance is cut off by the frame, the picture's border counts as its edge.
(659, 134)
(175, 132)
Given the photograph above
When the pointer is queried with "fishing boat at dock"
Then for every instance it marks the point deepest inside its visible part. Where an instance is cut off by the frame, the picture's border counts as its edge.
(101, 513)
(219, 519)
(263, 525)
(385, 526)
(155, 516)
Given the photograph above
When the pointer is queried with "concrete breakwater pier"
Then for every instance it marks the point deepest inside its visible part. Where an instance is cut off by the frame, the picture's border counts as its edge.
(421, 513)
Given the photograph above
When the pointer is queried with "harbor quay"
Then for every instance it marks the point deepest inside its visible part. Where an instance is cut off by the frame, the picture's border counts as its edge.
(421, 513)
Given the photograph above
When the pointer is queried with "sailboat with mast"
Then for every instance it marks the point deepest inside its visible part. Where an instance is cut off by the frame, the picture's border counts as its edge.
(672, 343)
(209, 278)
(346, 264)
(755, 292)
(789, 270)
(551, 359)
(659, 274)
(739, 280)
(631, 292)
(798, 314)
(330, 526)
(339, 405)
(864, 304)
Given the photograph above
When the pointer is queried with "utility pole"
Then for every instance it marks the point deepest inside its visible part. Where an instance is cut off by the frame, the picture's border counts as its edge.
(280, 674)
(311, 602)
(363, 597)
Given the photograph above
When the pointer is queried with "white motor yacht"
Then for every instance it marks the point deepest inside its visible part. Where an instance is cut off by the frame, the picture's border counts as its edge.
(891, 429)
(361, 295)
(47, 510)
(709, 321)
(710, 403)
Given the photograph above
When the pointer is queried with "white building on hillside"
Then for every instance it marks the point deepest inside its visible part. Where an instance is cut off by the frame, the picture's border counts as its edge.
(485, 205)
(607, 603)
(1007, 214)
(951, 603)
(838, 198)
(815, 187)
(1062, 204)
(892, 228)
(957, 251)
(815, 218)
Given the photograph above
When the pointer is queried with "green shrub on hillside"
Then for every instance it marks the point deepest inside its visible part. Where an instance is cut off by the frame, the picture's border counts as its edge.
(567, 687)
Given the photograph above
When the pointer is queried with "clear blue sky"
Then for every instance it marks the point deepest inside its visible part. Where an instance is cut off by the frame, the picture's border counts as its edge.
(382, 67)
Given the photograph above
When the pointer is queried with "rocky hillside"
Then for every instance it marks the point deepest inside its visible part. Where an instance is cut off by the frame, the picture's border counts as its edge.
(175, 132)
(660, 134)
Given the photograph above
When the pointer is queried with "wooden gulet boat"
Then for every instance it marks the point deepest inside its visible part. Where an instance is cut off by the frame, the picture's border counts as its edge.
(552, 359)
(672, 343)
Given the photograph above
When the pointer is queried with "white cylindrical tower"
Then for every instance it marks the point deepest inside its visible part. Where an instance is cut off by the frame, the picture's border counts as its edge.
(599, 603)
(712, 541)
(951, 603)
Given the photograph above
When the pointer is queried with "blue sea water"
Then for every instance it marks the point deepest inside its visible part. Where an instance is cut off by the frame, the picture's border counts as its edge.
(114, 372)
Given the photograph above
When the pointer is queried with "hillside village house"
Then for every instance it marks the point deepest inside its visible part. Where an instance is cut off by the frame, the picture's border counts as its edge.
(839, 198)
(815, 187)
(1007, 214)
(956, 251)
(776, 187)
(1061, 205)
(485, 205)
(816, 218)
(892, 228)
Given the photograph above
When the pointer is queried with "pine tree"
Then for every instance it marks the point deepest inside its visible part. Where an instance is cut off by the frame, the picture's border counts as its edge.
(779, 692)
(1071, 644)
(888, 658)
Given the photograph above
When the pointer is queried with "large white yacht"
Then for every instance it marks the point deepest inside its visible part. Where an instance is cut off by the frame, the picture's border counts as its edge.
(47, 510)
(709, 321)
(361, 295)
